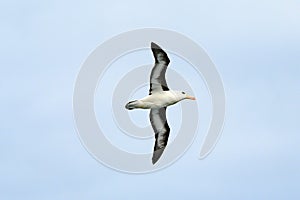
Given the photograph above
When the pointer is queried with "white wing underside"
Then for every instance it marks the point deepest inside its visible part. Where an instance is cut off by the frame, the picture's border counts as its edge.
(161, 129)
(157, 78)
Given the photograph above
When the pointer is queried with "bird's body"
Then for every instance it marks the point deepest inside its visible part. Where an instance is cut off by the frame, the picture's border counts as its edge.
(159, 98)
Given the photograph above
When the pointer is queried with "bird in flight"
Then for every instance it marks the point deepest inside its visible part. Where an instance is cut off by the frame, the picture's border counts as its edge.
(159, 98)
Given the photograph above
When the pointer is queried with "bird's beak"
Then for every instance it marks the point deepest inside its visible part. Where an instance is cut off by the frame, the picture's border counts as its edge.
(190, 97)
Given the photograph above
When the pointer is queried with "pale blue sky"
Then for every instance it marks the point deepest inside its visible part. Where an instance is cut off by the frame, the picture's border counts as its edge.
(255, 46)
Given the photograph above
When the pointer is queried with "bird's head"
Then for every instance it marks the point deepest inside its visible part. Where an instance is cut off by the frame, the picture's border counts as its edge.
(182, 95)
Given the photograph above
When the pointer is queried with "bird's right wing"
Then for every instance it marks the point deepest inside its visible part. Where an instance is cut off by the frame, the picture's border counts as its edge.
(161, 129)
(157, 78)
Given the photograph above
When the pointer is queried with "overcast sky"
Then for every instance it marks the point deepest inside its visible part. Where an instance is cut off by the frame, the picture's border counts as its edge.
(255, 46)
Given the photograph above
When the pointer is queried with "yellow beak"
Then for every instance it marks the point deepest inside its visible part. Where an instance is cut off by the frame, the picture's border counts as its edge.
(190, 97)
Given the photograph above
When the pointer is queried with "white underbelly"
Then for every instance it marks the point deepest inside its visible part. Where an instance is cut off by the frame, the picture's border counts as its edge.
(158, 100)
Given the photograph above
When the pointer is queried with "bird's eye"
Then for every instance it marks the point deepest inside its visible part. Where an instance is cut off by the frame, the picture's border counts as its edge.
(183, 92)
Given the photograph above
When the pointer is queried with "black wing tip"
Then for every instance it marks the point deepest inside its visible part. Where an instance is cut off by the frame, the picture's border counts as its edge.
(154, 46)
(156, 155)
(158, 50)
(154, 161)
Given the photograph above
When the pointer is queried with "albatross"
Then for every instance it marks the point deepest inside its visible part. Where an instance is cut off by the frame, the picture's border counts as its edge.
(159, 98)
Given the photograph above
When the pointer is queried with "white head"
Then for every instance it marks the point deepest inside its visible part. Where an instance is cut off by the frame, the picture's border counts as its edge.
(180, 95)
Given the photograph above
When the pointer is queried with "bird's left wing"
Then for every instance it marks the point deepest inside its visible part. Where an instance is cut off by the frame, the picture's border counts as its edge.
(161, 129)
(158, 81)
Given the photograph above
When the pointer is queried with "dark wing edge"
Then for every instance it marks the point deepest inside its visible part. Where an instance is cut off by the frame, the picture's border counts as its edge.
(157, 77)
(161, 129)
(159, 54)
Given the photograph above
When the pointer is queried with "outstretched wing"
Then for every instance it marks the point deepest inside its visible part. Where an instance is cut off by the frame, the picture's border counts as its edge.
(161, 129)
(157, 78)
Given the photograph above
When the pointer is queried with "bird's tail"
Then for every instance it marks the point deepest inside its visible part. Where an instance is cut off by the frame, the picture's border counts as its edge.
(132, 105)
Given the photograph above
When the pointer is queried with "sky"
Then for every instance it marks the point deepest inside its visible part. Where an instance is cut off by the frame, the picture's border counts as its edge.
(255, 46)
